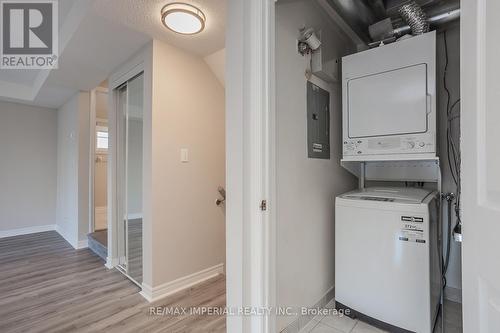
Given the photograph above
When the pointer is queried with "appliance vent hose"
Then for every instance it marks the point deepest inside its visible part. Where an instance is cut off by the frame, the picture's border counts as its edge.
(415, 17)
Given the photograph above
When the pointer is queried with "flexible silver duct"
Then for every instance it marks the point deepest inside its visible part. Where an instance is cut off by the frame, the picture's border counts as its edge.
(415, 17)
(435, 21)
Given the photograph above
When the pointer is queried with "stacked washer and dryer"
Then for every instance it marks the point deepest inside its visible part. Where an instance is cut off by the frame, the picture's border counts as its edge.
(387, 252)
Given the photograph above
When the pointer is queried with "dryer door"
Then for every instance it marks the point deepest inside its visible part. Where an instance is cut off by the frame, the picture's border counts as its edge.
(388, 103)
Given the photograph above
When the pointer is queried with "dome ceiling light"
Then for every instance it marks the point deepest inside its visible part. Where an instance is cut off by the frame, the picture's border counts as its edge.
(183, 18)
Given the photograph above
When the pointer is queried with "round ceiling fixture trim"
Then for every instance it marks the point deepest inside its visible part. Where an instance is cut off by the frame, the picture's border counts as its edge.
(183, 18)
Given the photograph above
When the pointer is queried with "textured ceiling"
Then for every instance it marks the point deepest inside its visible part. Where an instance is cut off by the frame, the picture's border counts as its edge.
(144, 16)
(102, 34)
(24, 76)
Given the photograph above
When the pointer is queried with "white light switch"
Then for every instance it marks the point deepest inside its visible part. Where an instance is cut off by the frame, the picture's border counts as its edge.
(184, 155)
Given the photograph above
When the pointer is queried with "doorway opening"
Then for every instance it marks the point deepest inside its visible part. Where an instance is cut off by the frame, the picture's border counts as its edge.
(338, 154)
(99, 148)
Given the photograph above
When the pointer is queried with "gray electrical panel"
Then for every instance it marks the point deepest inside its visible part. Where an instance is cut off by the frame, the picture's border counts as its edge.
(318, 122)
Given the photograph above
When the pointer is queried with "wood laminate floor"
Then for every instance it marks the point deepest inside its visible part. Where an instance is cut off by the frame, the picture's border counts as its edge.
(47, 286)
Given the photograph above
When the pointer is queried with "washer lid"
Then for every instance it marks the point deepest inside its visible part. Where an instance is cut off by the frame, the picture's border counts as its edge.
(409, 195)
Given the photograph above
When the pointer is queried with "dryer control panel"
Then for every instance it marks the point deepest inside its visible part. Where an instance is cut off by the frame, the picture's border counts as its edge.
(389, 145)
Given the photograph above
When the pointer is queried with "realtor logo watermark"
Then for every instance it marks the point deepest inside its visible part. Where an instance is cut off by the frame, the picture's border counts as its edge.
(29, 36)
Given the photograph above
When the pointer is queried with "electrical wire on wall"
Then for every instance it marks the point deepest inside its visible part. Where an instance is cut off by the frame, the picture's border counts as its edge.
(453, 158)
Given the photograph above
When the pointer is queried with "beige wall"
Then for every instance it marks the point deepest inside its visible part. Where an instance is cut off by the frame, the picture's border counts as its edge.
(100, 182)
(187, 232)
(306, 188)
(100, 170)
(28, 163)
(217, 62)
(101, 105)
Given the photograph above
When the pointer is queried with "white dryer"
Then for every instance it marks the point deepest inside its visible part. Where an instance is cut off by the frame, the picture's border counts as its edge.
(387, 267)
(389, 101)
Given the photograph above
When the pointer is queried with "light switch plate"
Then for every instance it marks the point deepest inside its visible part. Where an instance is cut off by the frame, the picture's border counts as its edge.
(184, 155)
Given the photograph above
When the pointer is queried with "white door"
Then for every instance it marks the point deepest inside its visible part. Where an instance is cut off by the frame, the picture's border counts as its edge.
(480, 85)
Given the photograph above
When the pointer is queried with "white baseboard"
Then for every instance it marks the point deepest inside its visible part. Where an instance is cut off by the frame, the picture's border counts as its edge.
(453, 294)
(111, 262)
(299, 321)
(27, 230)
(64, 234)
(152, 294)
(76, 244)
(49, 227)
(82, 244)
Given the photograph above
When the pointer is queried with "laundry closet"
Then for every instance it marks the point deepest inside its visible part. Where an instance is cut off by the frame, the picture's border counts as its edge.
(368, 158)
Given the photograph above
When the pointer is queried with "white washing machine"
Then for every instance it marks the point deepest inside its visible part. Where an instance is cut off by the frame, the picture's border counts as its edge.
(387, 267)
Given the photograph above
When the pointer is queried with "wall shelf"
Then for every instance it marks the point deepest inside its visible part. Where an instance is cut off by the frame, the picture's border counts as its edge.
(427, 170)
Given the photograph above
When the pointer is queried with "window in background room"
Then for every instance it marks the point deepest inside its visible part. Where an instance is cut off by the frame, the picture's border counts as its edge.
(101, 139)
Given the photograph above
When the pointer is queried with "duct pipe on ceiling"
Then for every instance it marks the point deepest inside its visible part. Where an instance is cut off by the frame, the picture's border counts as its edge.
(415, 17)
(434, 21)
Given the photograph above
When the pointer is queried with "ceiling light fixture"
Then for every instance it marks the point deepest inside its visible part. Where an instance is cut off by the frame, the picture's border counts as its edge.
(183, 18)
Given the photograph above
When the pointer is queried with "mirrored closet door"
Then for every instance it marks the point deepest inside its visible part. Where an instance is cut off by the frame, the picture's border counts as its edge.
(130, 128)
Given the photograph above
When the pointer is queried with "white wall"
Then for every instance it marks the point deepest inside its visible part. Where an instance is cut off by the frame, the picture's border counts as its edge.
(453, 275)
(186, 234)
(305, 187)
(28, 163)
(83, 165)
(67, 171)
(73, 130)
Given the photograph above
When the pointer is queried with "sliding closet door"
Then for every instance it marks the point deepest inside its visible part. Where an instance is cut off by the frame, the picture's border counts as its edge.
(121, 184)
(130, 127)
(134, 177)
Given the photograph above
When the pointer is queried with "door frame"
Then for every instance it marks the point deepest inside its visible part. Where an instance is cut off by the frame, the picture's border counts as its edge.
(93, 119)
(250, 163)
(121, 207)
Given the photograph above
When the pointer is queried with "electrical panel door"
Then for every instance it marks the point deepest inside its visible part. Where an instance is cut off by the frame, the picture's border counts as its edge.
(318, 122)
